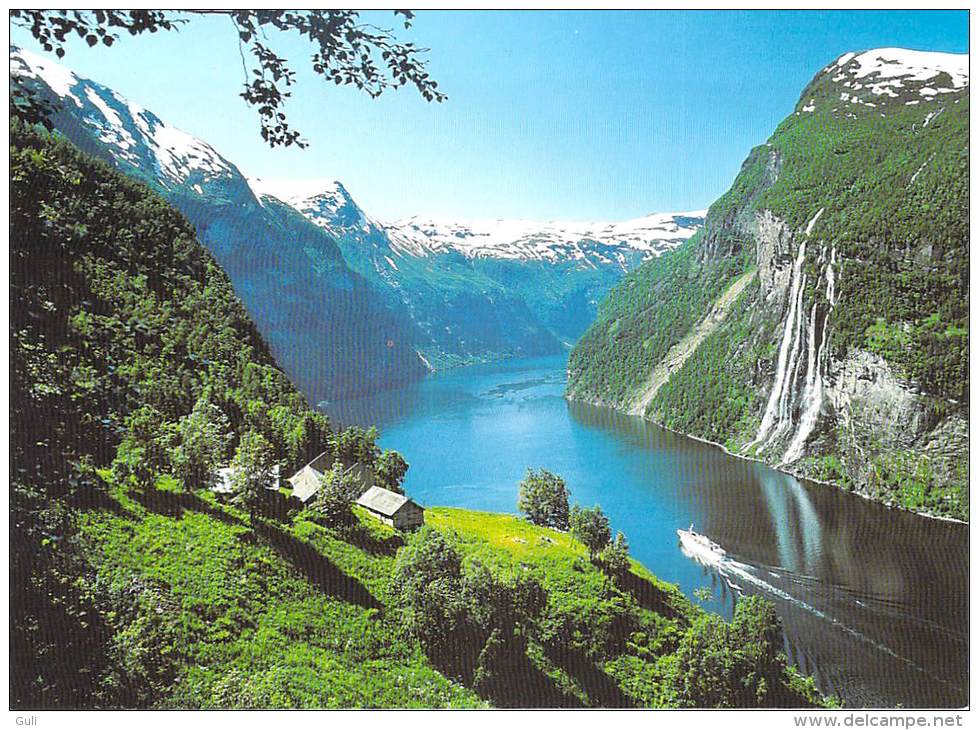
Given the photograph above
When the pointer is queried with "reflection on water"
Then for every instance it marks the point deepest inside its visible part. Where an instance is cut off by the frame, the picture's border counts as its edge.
(874, 601)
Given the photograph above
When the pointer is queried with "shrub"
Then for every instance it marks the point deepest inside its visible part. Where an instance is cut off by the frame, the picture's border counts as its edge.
(337, 494)
(591, 528)
(736, 664)
(543, 497)
(251, 471)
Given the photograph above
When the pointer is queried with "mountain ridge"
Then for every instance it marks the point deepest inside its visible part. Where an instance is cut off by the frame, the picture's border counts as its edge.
(846, 359)
(302, 254)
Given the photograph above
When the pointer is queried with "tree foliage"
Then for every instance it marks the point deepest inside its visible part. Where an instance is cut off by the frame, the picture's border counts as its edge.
(345, 51)
(355, 445)
(614, 557)
(390, 469)
(251, 471)
(543, 497)
(469, 621)
(120, 322)
(737, 664)
(204, 437)
(591, 528)
(337, 494)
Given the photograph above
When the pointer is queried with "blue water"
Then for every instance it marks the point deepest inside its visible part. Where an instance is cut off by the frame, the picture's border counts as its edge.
(874, 601)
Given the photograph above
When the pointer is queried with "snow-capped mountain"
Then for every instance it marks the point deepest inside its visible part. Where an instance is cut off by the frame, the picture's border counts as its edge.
(328, 327)
(327, 204)
(133, 135)
(889, 77)
(349, 303)
(538, 282)
(550, 241)
(330, 206)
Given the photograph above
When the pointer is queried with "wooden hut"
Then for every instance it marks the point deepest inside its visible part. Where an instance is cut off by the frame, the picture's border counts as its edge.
(392, 508)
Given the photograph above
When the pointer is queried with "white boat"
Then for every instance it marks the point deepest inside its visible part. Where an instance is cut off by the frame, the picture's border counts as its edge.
(700, 547)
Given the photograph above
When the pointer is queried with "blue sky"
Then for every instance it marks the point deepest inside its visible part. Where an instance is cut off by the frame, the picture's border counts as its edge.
(555, 114)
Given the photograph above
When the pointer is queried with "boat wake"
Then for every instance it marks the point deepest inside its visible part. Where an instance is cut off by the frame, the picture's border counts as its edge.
(738, 575)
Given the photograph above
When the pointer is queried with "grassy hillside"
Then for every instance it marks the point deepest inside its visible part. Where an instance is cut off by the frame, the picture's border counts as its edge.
(135, 372)
(201, 605)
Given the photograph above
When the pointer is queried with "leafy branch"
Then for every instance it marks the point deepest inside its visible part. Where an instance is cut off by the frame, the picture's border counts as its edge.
(345, 51)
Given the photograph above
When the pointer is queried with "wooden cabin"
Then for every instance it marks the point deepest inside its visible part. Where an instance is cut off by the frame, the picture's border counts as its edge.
(307, 481)
(392, 508)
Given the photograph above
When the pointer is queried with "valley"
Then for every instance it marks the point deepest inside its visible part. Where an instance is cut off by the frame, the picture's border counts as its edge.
(347, 303)
(210, 371)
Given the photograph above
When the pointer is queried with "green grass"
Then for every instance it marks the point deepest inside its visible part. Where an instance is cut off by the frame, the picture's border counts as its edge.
(206, 607)
(255, 615)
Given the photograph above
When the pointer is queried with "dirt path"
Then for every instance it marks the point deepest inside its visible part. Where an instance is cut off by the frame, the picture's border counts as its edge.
(683, 349)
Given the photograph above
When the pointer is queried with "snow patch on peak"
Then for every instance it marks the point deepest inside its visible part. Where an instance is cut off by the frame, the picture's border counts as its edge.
(131, 133)
(550, 241)
(893, 63)
(294, 191)
(895, 72)
(60, 80)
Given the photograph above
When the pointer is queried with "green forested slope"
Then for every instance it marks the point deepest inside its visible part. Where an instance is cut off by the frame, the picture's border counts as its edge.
(882, 180)
(133, 585)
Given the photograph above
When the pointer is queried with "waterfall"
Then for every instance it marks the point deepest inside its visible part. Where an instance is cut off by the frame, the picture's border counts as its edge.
(778, 411)
(812, 221)
(785, 399)
(830, 279)
(774, 399)
(812, 398)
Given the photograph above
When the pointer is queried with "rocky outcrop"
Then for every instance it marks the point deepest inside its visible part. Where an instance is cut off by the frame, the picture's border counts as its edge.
(884, 424)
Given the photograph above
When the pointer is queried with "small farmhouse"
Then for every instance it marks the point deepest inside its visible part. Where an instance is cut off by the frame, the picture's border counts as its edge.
(306, 482)
(392, 508)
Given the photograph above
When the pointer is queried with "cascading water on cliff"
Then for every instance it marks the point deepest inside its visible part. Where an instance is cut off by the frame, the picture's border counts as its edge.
(788, 385)
(771, 410)
(812, 399)
(778, 412)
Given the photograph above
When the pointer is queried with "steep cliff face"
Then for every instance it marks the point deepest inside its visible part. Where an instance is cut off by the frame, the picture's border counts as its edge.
(844, 356)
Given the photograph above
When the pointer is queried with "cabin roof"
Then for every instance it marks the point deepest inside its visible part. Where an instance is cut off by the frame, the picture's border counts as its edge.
(306, 482)
(382, 501)
(321, 463)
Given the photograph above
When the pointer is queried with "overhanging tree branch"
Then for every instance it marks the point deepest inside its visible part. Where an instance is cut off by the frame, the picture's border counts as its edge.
(345, 51)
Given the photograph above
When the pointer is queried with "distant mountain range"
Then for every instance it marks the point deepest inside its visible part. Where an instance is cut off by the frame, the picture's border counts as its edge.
(485, 289)
(350, 305)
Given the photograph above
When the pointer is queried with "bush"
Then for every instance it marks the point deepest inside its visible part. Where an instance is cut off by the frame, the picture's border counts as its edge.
(203, 436)
(251, 471)
(543, 497)
(737, 664)
(427, 582)
(615, 556)
(142, 454)
(337, 494)
(591, 528)
(472, 624)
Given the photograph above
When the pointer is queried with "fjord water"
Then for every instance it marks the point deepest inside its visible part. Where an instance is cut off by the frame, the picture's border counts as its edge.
(874, 601)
